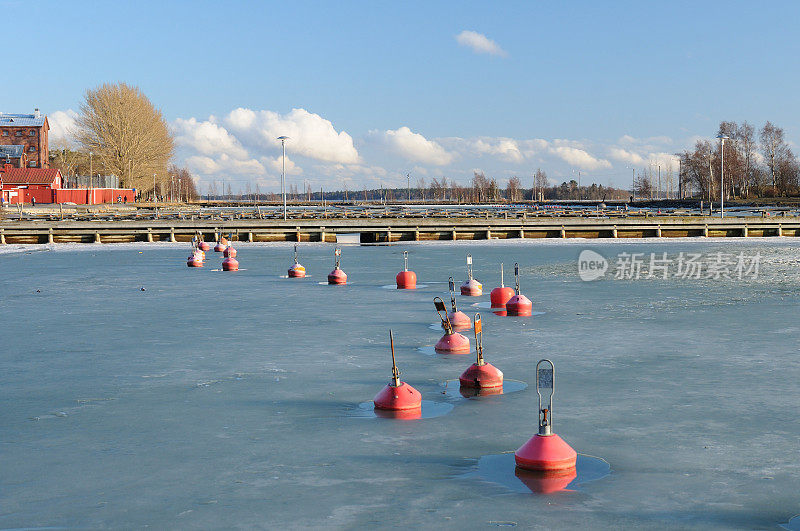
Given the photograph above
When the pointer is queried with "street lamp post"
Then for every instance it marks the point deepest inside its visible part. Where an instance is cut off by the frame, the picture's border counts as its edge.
(722, 138)
(283, 140)
(408, 178)
(91, 169)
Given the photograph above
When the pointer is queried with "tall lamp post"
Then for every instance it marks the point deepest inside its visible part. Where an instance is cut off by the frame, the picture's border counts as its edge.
(722, 139)
(91, 169)
(283, 140)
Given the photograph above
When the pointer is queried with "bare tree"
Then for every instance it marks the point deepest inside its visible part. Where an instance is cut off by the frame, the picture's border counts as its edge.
(513, 189)
(775, 150)
(126, 134)
(539, 183)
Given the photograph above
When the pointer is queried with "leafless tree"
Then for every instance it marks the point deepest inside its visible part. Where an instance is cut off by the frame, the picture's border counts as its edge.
(513, 189)
(126, 133)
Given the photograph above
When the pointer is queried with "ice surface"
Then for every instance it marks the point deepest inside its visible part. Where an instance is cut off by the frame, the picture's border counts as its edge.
(215, 400)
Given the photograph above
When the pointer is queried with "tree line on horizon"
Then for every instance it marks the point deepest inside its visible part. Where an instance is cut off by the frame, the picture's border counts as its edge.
(757, 163)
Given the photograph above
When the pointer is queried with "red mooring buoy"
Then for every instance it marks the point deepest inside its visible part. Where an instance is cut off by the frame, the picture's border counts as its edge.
(397, 395)
(229, 252)
(481, 374)
(337, 276)
(451, 342)
(500, 296)
(406, 279)
(296, 271)
(519, 304)
(471, 287)
(545, 450)
(219, 248)
(195, 260)
(458, 319)
(204, 246)
(230, 264)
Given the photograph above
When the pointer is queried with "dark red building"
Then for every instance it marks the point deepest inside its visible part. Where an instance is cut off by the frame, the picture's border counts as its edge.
(30, 131)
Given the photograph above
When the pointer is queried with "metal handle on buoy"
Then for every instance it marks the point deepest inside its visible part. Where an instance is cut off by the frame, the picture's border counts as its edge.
(453, 295)
(337, 256)
(479, 339)
(545, 379)
(405, 260)
(440, 307)
(502, 284)
(469, 266)
(516, 277)
(395, 370)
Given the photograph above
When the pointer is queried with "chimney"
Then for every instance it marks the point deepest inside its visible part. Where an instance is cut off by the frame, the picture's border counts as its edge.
(36, 113)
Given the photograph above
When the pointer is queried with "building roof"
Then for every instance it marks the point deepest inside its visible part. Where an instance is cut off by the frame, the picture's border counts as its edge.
(13, 152)
(29, 175)
(21, 120)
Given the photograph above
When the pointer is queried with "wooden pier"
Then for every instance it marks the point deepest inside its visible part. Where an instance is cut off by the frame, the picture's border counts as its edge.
(393, 229)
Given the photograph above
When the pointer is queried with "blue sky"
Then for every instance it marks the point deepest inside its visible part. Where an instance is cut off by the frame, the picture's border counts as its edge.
(380, 89)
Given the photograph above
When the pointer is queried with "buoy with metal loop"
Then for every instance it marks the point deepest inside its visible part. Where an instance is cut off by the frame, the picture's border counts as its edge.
(546, 450)
(451, 342)
(229, 251)
(406, 279)
(481, 374)
(500, 296)
(519, 304)
(230, 263)
(458, 319)
(202, 245)
(337, 276)
(195, 259)
(471, 287)
(296, 271)
(222, 244)
(397, 395)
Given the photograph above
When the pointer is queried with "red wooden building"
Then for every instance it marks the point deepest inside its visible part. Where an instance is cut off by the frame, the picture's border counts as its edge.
(44, 185)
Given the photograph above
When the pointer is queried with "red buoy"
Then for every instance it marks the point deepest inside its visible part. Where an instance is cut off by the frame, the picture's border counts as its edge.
(406, 279)
(458, 320)
(545, 450)
(230, 264)
(471, 287)
(451, 342)
(337, 276)
(481, 374)
(204, 246)
(229, 252)
(296, 271)
(194, 260)
(519, 304)
(219, 247)
(397, 395)
(500, 296)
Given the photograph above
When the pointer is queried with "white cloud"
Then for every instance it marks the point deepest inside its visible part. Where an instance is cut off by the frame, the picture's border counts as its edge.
(414, 147)
(276, 165)
(62, 128)
(626, 156)
(224, 165)
(479, 43)
(208, 138)
(579, 157)
(506, 149)
(310, 134)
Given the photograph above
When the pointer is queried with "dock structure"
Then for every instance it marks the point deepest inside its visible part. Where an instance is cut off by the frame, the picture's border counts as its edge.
(387, 230)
